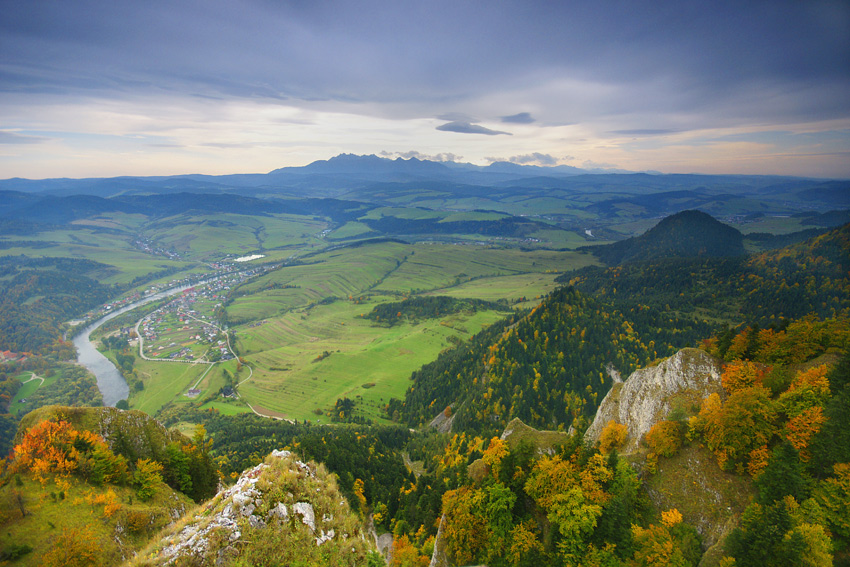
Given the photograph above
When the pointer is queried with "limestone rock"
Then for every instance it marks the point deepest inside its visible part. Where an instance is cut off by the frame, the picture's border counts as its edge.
(650, 394)
(275, 507)
(305, 510)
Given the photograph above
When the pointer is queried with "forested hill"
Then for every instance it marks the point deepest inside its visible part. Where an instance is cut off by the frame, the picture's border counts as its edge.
(548, 367)
(683, 235)
(791, 282)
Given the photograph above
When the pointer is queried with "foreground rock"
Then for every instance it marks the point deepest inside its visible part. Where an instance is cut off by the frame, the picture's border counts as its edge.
(281, 512)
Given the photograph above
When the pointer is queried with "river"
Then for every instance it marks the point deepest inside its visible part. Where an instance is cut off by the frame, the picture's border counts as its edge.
(111, 384)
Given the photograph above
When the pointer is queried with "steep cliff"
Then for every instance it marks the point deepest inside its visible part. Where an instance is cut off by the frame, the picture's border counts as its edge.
(650, 394)
(709, 499)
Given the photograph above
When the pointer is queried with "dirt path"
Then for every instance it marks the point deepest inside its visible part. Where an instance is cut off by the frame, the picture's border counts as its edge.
(34, 377)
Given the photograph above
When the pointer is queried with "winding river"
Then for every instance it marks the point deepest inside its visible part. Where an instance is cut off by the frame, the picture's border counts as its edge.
(109, 380)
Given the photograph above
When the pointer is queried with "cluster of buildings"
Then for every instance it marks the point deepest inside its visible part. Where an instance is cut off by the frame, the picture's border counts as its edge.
(9, 356)
(148, 247)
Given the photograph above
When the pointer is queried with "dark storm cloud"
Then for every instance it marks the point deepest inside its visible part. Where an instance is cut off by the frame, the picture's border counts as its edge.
(521, 118)
(693, 56)
(467, 128)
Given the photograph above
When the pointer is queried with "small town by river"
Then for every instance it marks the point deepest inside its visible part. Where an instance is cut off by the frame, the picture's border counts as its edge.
(111, 384)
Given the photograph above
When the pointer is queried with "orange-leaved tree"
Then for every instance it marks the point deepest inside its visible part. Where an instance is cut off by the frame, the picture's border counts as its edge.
(665, 438)
(742, 374)
(613, 436)
(732, 430)
(56, 448)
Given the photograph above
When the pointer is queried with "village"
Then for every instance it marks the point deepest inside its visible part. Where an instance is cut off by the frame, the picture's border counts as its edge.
(224, 275)
(185, 328)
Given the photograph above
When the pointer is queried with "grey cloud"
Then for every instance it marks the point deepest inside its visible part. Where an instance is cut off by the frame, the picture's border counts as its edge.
(13, 138)
(709, 60)
(467, 128)
(521, 118)
(457, 117)
(536, 157)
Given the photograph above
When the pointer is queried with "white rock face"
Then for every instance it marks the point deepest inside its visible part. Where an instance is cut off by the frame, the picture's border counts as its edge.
(305, 510)
(647, 396)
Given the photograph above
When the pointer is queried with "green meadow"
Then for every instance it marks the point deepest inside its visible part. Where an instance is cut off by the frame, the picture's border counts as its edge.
(27, 389)
(164, 382)
(307, 359)
(301, 328)
(215, 236)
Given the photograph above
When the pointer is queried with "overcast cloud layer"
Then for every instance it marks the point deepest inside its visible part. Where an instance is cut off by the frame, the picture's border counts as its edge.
(95, 88)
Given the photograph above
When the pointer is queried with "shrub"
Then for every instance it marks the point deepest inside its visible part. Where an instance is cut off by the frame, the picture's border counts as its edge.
(613, 436)
(665, 438)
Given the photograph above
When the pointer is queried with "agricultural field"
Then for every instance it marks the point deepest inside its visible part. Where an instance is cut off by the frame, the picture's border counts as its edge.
(168, 382)
(31, 383)
(126, 261)
(214, 236)
(307, 359)
(303, 332)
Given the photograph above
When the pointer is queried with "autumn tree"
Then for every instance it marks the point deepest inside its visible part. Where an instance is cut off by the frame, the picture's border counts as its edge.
(833, 495)
(147, 477)
(575, 516)
(742, 374)
(478, 521)
(665, 438)
(405, 554)
(56, 448)
(493, 455)
(732, 430)
(74, 547)
(613, 436)
(655, 547)
(465, 530)
(525, 548)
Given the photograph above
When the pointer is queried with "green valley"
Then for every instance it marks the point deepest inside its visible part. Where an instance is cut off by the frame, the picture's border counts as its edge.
(445, 349)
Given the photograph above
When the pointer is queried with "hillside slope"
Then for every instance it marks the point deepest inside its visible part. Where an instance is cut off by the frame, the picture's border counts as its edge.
(132, 433)
(690, 481)
(69, 499)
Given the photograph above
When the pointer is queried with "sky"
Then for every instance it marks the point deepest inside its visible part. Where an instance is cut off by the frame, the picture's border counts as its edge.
(92, 88)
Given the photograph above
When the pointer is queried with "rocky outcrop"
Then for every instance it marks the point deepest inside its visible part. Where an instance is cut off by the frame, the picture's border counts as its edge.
(282, 508)
(544, 442)
(440, 556)
(442, 423)
(650, 394)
